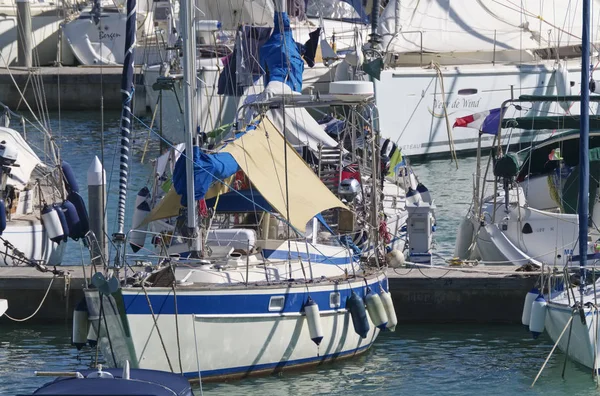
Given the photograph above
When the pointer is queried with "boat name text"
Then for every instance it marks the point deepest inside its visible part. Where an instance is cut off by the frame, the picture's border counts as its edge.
(110, 36)
(460, 103)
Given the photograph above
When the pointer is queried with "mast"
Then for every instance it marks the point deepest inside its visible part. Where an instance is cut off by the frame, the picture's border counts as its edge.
(188, 36)
(126, 115)
(375, 38)
(584, 166)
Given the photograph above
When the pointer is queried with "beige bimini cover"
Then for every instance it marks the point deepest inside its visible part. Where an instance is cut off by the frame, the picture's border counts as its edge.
(260, 155)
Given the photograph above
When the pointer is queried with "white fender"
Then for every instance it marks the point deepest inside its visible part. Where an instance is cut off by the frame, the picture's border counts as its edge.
(395, 258)
(537, 319)
(80, 326)
(376, 310)
(563, 85)
(464, 238)
(313, 318)
(52, 224)
(388, 305)
(529, 299)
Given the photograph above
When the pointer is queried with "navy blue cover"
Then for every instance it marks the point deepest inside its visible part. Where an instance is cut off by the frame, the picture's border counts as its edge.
(69, 177)
(240, 201)
(141, 382)
(207, 169)
(83, 226)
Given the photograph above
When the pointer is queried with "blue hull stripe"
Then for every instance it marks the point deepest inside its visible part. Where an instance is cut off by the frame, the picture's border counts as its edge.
(283, 255)
(269, 366)
(314, 257)
(231, 304)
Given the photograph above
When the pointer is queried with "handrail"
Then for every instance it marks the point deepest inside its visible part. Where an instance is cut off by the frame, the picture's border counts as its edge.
(554, 98)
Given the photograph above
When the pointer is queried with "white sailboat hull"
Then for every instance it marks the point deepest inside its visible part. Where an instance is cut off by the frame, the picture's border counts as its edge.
(420, 129)
(581, 346)
(31, 240)
(231, 332)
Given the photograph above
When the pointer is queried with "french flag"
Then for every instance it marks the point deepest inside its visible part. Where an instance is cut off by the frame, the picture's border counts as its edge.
(485, 122)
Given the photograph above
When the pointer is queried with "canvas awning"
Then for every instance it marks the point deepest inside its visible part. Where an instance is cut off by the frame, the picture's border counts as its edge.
(260, 154)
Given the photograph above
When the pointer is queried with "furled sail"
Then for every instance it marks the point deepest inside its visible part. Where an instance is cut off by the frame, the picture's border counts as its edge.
(126, 112)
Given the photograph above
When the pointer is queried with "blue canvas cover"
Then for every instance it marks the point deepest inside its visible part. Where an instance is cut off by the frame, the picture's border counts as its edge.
(280, 56)
(142, 382)
(208, 168)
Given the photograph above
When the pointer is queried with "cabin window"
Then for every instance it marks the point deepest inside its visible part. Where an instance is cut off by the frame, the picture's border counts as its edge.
(467, 91)
(334, 300)
(276, 303)
(527, 229)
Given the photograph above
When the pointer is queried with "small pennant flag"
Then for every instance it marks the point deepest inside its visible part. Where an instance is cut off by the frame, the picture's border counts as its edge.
(555, 155)
(485, 122)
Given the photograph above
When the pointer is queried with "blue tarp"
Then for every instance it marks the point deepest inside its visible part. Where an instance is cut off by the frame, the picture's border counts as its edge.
(280, 55)
(208, 168)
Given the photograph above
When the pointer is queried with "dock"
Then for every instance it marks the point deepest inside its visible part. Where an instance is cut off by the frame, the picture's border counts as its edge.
(64, 88)
(421, 295)
(468, 295)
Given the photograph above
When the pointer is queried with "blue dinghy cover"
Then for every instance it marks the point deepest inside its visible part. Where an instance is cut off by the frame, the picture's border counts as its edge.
(282, 61)
(208, 168)
(141, 382)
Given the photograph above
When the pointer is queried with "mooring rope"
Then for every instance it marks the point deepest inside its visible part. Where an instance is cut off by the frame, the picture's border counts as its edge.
(39, 306)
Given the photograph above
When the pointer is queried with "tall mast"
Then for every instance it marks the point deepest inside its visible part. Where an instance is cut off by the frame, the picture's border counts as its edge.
(584, 166)
(126, 115)
(188, 36)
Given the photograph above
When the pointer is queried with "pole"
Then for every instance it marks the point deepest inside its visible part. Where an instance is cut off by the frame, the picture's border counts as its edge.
(24, 35)
(281, 5)
(188, 36)
(96, 178)
(584, 165)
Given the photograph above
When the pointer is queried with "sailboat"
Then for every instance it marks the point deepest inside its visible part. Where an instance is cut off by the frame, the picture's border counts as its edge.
(40, 204)
(564, 306)
(96, 35)
(228, 37)
(231, 313)
(445, 60)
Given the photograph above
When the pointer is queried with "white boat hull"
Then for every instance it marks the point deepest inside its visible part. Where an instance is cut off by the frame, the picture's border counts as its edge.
(230, 332)
(581, 346)
(421, 129)
(33, 242)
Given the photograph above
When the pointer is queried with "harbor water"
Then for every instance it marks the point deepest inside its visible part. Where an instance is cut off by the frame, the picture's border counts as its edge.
(415, 359)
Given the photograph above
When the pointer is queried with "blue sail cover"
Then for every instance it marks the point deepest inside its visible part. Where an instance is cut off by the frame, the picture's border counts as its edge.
(208, 168)
(280, 55)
